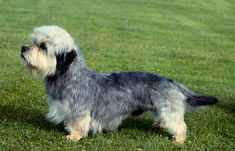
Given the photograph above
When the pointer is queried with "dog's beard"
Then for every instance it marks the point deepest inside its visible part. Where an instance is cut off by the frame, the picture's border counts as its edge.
(32, 69)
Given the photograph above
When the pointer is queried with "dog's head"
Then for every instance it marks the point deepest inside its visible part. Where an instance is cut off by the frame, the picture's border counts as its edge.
(51, 52)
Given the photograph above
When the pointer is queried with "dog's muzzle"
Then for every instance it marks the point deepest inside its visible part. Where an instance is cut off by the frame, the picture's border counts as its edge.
(23, 50)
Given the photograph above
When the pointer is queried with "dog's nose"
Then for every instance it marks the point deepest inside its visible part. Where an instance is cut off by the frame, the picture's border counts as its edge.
(24, 48)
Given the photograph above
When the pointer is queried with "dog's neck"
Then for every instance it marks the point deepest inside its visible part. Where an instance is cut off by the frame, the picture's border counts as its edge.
(58, 83)
(76, 67)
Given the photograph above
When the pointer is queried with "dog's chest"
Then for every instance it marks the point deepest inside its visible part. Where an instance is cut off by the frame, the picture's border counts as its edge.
(58, 110)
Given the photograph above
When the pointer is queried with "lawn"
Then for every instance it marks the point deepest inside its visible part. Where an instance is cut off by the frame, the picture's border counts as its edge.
(190, 41)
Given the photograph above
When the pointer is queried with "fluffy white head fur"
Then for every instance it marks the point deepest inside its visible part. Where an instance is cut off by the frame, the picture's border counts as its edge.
(56, 39)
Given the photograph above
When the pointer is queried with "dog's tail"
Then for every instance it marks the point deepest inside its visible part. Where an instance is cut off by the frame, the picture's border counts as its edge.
(195, 100)
(201, 100)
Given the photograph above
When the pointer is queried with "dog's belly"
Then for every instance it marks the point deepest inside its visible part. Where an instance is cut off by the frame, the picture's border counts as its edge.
(100, 125)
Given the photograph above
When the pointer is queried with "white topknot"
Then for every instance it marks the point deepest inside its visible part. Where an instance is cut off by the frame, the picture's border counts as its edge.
(57, 39)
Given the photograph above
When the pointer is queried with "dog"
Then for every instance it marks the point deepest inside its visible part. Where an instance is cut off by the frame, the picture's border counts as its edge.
(86, 101)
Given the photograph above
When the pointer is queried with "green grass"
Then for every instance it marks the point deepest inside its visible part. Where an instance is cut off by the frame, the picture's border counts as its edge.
(190, 41)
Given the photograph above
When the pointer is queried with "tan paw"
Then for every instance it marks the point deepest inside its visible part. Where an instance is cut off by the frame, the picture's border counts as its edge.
(178, 141)
(73, 137)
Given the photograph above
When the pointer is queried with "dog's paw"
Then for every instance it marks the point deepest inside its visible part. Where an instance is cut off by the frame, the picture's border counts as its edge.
(178, 140)
(73, 137)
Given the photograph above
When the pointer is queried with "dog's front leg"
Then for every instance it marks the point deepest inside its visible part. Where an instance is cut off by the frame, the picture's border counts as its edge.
(78, 128)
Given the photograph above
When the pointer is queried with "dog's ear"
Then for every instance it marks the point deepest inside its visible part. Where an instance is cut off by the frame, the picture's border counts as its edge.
(64, 60)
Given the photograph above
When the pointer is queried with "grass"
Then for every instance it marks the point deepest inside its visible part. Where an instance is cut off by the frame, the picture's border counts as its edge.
(190, 41)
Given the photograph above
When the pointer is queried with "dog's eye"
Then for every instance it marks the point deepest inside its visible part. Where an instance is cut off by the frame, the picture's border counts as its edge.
(43, 46)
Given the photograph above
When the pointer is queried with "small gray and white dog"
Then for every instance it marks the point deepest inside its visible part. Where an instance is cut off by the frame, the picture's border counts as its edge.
(86, 101)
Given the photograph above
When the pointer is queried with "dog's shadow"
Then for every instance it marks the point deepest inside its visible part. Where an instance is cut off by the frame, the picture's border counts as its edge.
(36, 118)
(142, 124)
(228, 107)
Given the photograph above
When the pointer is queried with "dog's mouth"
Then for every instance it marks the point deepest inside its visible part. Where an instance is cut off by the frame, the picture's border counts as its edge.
(22, 56)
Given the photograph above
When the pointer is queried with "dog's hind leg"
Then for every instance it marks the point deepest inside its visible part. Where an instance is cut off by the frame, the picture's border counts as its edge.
(78, 128)
(170, 115)
(174, 123)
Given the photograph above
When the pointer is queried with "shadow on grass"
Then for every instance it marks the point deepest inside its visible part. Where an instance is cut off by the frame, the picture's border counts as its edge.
(37, 119)
(145, 125)
(31, 117)
(228, 107)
